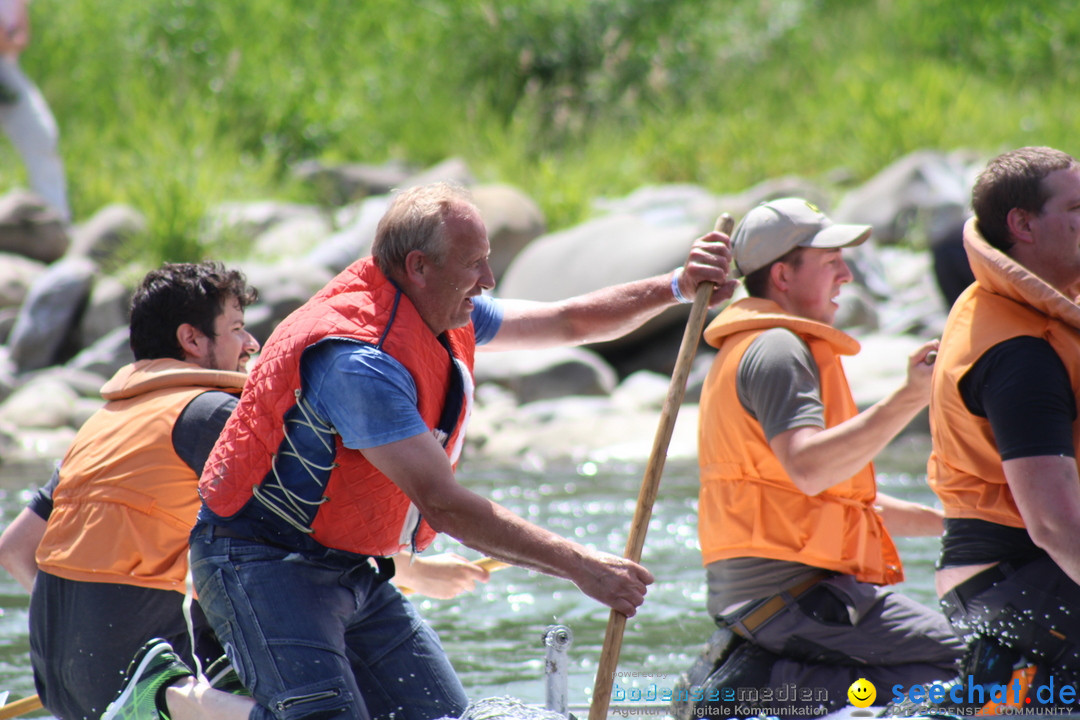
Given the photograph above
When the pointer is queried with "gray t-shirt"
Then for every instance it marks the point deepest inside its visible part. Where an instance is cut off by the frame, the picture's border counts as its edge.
(779, 385)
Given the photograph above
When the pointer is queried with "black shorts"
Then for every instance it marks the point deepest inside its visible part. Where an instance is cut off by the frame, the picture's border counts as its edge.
(84, 634)
(1031, 608)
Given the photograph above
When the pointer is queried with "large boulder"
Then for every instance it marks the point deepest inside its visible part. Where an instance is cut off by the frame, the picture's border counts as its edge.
(106, 355)
(29, 227)
(46, 320)
(533, 375)
(46, 402)
(353, 238)
(283, 287)
(17, 274)
(513, 221)
(343, 184)
(927, 188)
(102, 236)
(107, 309)
(598, 253)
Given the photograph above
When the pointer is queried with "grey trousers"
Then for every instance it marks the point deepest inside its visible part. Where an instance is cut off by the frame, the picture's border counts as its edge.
(842, 630)
(32, 129)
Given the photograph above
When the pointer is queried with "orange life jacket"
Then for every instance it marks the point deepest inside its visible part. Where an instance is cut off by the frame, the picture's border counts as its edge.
(748, 505)
(126, 502)
(362, 511)
(1006, 301)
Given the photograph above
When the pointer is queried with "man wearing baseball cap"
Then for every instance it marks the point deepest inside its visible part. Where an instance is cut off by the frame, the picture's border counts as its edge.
(794, 535)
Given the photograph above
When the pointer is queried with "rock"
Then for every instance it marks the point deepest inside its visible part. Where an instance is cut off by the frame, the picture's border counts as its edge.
(84, 383)
(46, 402)
(667, 205)
(29, 227)
(35, 444)
(578, 429)
(598, 253)
(291, 237)
(739, 204)
(50, 312)
(106, 355)
(353, 240)
(17, 274)
(453, 170)
(537, 375)
(84, 408)
(926, 187)
(643, 390)
(857, 310)
(879, 367)
(9, 442)
(7, 322)
(247, 220)
(7, 374)
(108, 308)
(513, 220)
(282, 288)
(342, 184)
(105, 233)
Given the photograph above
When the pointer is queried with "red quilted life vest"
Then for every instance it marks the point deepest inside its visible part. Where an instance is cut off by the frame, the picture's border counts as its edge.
(364, 511)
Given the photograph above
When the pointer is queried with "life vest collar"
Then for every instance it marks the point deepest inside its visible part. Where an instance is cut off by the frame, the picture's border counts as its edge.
(758, 314)
(143, 376)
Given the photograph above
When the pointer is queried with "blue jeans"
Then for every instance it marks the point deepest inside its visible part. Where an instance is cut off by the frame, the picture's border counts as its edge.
(319, 638)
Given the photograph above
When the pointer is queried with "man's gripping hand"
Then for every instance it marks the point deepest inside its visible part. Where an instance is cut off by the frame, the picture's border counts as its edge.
(619, 583)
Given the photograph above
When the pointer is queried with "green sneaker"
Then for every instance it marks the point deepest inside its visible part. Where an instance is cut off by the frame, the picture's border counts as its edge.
(222, 676)
(154, 667)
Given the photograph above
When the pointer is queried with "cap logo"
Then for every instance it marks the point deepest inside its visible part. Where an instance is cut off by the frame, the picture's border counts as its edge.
(813, 207)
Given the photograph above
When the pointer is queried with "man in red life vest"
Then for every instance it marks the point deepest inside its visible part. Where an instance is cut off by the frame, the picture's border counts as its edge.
(341, 454)
(110, 563)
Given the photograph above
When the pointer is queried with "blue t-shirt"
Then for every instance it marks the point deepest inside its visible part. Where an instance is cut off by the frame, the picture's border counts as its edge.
(368, 397)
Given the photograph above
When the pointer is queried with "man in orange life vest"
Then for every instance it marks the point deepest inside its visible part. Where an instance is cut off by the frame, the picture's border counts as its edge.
(794, 535)
(1004, 421)
(111, 564)
(341, 454)
(113, 555)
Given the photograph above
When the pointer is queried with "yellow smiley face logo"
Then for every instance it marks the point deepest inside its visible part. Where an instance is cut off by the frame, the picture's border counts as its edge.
(862, 693)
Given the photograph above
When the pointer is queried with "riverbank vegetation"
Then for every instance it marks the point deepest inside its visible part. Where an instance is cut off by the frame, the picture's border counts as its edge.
(175, 105)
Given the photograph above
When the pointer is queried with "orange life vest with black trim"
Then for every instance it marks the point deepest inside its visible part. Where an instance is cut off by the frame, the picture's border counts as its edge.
(1006, 301)
(363, 511)
(126, 502)
(748, 506)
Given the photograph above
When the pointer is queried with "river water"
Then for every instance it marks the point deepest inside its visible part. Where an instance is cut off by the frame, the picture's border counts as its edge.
(494, 635)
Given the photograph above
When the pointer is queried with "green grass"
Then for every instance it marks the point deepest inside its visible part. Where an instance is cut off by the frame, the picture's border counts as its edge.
(175, 105)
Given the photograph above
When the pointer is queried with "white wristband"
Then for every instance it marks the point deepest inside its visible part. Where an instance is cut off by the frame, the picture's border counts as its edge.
(675, 286)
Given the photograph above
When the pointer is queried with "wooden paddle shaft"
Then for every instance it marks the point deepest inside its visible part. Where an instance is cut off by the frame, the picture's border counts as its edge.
(650, 484)
(20, 707)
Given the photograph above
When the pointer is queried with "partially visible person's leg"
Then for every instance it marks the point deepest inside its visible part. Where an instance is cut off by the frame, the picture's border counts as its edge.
(843, 630)
(399, 662)
(82, 636)
(1030, 609)
(312, 640)
(32, 128)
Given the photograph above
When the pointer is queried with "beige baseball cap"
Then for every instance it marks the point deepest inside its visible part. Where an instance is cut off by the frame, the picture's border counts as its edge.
(774, 228)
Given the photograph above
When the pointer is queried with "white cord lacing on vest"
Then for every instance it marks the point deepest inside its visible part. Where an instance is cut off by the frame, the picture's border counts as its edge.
(284, 503)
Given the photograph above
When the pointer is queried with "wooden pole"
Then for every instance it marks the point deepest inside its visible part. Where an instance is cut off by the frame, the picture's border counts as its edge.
(20, 707)
(650, 484)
